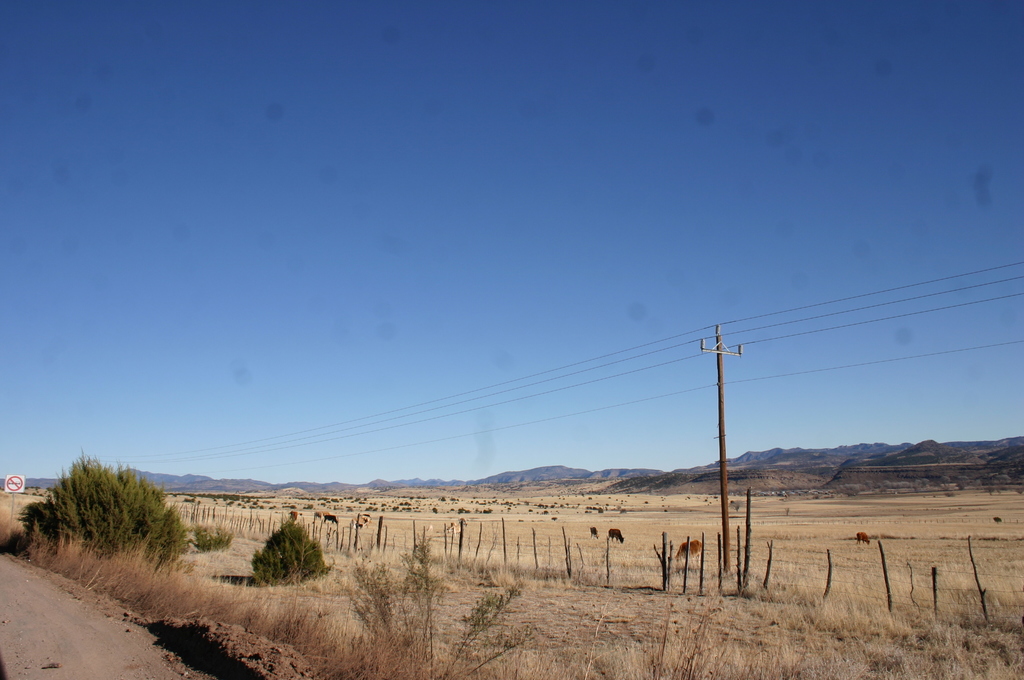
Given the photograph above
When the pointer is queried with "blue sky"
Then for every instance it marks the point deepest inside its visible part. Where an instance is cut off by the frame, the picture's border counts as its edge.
(221, 225)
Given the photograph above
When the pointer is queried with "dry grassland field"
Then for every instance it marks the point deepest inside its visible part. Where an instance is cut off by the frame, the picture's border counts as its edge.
(609, 618)
(612, 619)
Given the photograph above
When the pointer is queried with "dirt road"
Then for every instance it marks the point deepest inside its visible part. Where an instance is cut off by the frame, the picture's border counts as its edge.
(47, 632)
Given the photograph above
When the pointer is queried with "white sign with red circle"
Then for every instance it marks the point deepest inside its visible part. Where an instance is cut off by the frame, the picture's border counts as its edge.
(14, 484)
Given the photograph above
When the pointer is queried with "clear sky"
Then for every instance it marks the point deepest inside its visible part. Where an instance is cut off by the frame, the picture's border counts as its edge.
(283, 223)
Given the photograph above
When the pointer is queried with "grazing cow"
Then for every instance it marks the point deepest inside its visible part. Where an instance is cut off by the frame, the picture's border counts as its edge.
(294, 515)
(694, 547)
(593, 532)
(615, 534)
(362, 519)
(329, 518)
(863, 538)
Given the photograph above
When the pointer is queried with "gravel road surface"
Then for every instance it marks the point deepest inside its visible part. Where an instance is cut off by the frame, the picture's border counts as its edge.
(51, 628)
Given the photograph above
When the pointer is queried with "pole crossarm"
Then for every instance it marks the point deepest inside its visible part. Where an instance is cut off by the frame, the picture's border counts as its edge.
(720, 347)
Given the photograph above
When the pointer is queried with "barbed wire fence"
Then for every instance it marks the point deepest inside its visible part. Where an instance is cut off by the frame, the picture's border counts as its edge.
(976, 579)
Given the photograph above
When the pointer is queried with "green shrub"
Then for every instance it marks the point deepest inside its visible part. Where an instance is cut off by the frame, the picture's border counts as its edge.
(289, 556)
(108, 510)
(209, 541)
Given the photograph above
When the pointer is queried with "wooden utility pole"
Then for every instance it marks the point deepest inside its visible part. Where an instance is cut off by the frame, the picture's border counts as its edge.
(720, 349)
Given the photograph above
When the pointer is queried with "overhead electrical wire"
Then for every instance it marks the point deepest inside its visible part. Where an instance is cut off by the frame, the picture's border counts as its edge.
(877, 292)
(392, 412)
(322, 437)
(618, 405)
(884, 318)
(880, 304)
(873, 363)
(259, 445)
(292, 443)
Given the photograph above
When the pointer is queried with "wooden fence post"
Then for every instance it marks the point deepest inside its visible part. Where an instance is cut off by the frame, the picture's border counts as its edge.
(828, 581)
(536, 563)
(768, 568)
(504, 545)
(718, 544)
(414, 535)
(462, 536)
(885, 573)
(746, 546)
(568, 553)
(607, 560)
(911, 568)
(665, 558)
(739, 566)
(479, 537)
(703, 549)
(380, 530)
(981, 591)
(686, 565)
(935, 590)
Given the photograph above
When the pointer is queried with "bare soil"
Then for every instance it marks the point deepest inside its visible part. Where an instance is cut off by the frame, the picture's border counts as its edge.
(54, 628)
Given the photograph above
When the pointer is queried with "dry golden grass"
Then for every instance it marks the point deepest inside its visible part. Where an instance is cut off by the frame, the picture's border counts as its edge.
(582, 629)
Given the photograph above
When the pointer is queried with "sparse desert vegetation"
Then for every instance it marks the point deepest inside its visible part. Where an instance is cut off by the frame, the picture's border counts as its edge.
(608, 619)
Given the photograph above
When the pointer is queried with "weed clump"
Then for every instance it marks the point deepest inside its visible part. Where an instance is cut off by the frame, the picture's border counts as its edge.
(398, 614)
(288, 556)
(109, 511)
(210, 541)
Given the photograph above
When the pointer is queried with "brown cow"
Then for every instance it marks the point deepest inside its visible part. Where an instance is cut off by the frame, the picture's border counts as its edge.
(863, 538)
(694, 546)
(593, 532)
(294, 515)
(616, 535)
(329, 518)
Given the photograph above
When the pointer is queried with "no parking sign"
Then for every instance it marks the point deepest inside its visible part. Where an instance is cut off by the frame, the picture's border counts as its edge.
(14, 484)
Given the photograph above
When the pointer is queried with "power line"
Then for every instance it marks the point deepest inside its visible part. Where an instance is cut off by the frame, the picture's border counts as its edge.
(473, 434)
(881, 304)
(877, 292)
(320, 439)
(885, 318)
(392, 412)
(460, 394)
(611, 406)
(879, 361)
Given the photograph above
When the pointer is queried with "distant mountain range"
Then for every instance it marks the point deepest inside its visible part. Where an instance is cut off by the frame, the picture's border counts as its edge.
(851, 468)
(778, 468)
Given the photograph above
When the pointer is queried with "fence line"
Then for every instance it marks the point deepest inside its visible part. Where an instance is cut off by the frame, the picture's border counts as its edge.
(605, 562)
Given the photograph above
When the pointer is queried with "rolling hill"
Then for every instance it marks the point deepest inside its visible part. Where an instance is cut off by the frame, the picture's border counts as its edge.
(972, 462)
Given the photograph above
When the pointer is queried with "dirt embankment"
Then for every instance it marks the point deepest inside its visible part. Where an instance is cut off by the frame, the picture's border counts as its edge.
(54, 628)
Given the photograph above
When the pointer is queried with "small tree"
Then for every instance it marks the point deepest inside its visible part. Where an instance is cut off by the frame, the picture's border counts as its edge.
(209, 541)
(109, 511)
(288, 556)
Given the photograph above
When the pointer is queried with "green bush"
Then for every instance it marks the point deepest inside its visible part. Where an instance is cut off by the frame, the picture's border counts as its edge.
(289, 556)
(208, 541)
(109, 511)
